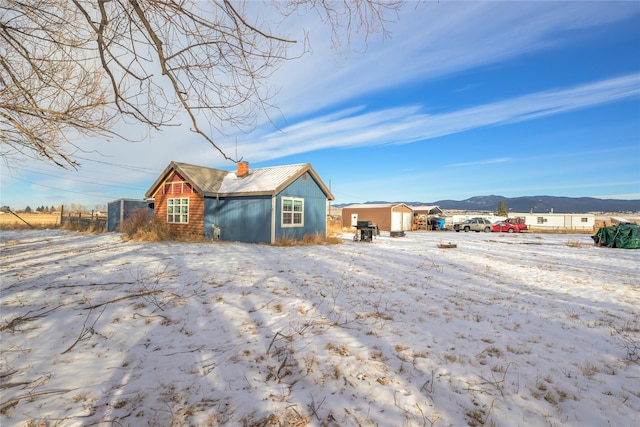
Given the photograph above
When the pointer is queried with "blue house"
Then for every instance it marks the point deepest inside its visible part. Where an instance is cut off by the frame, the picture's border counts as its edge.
(254, 206)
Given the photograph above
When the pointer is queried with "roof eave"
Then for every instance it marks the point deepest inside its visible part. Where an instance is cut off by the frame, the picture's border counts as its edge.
(173, 166)
(306, 168)
(185, 175)
(152, 190)
(241, 194)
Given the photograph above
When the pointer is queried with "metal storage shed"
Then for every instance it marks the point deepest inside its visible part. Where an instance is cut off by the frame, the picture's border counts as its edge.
(121, 209)
(428, 217)
(387, 216)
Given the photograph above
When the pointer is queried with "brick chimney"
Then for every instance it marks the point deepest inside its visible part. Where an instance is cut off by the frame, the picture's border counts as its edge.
(243, 169)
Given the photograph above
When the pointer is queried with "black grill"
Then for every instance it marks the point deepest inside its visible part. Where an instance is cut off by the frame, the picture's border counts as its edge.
(364, 224)
(365, 231)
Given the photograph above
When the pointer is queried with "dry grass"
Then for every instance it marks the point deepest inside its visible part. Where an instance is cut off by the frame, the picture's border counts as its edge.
(560, 231)
(334, 231)
(308, 240)
(35, 220)
(141, 227)
(575, 243)
(91, 228)
(334, 228)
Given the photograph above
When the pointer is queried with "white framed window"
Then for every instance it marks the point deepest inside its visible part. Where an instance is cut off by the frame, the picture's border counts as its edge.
(178, 211)
(292, 212)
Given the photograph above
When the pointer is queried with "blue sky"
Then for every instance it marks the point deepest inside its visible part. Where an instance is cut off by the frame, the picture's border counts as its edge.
(464, 99)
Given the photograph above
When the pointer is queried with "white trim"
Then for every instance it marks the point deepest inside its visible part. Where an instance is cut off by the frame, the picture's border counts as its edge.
(293, 212)
(173, 214)
(273, 219)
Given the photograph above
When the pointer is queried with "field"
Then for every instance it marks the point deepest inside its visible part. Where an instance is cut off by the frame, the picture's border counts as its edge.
(34, 219)
(432, 329)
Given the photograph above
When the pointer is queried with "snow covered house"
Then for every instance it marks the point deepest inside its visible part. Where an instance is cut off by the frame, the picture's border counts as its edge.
(387, 216)
(254, 206)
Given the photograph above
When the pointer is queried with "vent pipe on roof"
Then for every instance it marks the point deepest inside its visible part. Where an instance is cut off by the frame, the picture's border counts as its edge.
(243, 169)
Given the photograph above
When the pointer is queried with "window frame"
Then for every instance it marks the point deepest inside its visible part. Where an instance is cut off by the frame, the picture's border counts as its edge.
(292, 212)
(182, 215)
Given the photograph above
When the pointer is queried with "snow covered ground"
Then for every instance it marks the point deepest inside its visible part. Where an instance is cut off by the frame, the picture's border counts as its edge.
(503, 330)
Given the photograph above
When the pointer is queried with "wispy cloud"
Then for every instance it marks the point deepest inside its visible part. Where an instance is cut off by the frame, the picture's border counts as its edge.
(625, 196)
(424, 47)
(406, 124)
(481, 162)
(333, 102)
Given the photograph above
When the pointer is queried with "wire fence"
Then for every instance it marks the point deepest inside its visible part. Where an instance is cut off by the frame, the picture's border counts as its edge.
(84, 221)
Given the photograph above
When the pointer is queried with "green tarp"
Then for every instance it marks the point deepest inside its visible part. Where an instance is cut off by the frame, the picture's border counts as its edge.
(626, 236)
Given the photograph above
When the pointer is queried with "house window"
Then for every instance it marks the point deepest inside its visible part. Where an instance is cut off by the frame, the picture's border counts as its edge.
(292, 212)
(178, 211)
(540, 220)
(584, 220)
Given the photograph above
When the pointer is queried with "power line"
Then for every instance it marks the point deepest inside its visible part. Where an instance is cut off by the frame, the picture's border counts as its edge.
(152, 171)
(59, 189)
(75, 180)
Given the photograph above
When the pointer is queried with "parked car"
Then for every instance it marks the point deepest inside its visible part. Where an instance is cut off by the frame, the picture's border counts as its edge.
(502, 226)
(518, 222)
(521, 227)
(474, 224)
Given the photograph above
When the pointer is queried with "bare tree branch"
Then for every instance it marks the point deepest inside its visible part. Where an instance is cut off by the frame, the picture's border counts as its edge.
(74, 69)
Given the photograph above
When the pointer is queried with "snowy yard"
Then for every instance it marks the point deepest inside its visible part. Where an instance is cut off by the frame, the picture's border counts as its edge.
(503, 330)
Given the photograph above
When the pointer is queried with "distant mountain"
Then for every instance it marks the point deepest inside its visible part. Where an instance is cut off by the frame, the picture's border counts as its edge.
(536, 204)
(543, 204)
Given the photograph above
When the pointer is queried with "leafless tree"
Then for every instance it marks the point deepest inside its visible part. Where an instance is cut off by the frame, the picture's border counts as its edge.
(74, 68)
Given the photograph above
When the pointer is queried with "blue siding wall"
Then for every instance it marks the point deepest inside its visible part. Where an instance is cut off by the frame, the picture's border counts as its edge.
(241, 219)
(120, 210)
(248, 219)
(315, 208)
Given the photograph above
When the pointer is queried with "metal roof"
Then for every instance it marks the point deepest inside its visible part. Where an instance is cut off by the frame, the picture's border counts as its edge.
(216, 182)
(374, 205)
(206, 180)
(431, 209)
(263, 180)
